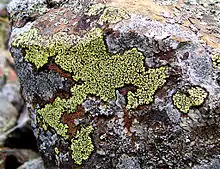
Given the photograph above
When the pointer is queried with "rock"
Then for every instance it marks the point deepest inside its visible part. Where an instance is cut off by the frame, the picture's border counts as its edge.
(33, 164)
(126, 162)
(8, 114)
(214, 164)
(12, 93)
(119, 84)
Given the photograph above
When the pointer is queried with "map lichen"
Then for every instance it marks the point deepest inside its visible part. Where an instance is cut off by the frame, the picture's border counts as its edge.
(39, 49)
(113, 15)
(216, 61)
(51, 114)
(95, 9)
(108, 14)
(82, 146)
(102, 73)
(195, 96)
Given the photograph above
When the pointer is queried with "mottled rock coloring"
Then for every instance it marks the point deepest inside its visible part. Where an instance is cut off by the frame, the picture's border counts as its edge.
(120, 84)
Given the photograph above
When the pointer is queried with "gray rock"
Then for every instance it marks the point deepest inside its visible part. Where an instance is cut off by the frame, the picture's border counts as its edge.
(8, 114)
(33, 164)
(12, 93)
(126, 162)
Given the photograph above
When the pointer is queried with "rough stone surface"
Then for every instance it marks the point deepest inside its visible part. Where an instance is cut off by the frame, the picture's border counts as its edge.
(8, 114)
(33, 164)
(121, 83)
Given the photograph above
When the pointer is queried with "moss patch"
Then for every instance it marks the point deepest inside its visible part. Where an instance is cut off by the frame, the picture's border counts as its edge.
(195, 96)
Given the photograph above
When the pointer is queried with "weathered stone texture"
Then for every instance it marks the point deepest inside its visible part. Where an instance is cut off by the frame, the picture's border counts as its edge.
(121, 83)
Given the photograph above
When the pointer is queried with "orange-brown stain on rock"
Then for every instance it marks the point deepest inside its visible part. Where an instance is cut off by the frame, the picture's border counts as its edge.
(69, 119)
(58, 70)
(127, 120)
(133, 140)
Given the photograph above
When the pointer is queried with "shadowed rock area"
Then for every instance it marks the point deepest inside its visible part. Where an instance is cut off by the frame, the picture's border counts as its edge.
(120, 84)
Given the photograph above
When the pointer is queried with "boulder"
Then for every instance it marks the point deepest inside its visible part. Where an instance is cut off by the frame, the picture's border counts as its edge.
(120, 83)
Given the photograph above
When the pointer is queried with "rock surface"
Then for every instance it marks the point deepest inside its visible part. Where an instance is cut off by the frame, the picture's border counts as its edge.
(33, 164)
(120, 83)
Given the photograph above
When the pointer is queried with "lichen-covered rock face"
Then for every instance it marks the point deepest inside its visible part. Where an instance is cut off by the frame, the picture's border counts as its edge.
(115, 84)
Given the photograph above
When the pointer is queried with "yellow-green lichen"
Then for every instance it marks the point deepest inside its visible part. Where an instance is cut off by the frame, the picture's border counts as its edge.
(82, 146)
(216, 61)
(109, 14)
(102, 73)
(56, 150)
(195, 97)
(38, 49)
(95, 9)
(51, 114)
(113, 15)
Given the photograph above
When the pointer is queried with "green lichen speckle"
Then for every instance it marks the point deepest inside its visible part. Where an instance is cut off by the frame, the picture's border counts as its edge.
(216, 61)
(38, 49)
(109, 14)
(95, 9)
(147, 84)
(196, 97)
(113, 15)
(51, 115)
(82, 146)
(56, 150)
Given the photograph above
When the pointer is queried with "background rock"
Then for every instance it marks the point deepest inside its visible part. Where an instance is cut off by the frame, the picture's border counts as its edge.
(17, 144)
